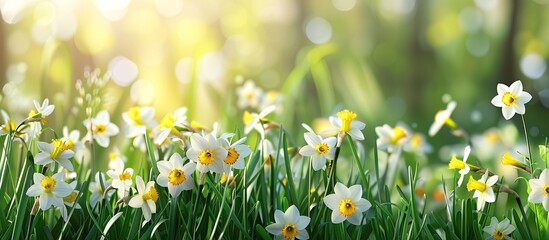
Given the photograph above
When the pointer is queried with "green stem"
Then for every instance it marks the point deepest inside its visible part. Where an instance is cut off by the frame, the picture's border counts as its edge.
(530, 160)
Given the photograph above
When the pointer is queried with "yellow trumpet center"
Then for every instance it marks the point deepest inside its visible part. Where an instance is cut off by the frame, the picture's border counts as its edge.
(100, 129)
(456, 163)
(176, 177)
(322, 148)
(58, 148)
(232, 156)
(125, 176)
(9, 127)
(546, 190)
(135, 116)
(151, 194)
(498, 234)
(508, 98)
(206, 157)
(70, 198)
(475, 185)
(289, 231)
(346, 117)
(48, 183)
(346, 207)
(398, 134)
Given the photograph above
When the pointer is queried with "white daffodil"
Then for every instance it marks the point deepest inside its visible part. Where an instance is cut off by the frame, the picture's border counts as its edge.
(175, 176)
(347, 204)
(116, 158)
(8, 126)
(318, 149)
(72, 139)
(169, 124)
(483, 189)
(56, 151)
(391, 139)
(138, 119)
(461, 164)
(96, 189)
(442, 118)
(236, 153)
(102, 128)
(255, 120)
(145, 198)
(289, 224)
(499, 230)
(70, 201)
(540, 190)
(418, 144)
(272, 98)
(45, 109)
(511, 99)
(121, 179)
(248, 95)
(207, 153)
(51, 190)
(345, 122)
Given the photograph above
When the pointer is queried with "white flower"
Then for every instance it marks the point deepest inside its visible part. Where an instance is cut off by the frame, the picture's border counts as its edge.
(236, 153)
(347, 204)
(145, 198)
(346, 122)
(461, 165)
(442, 117)
(272, 98)
(248, 95)
(207, 153)
(175, 176)
(8, 126)
(391, 139)
(418, 144)
(70, 201)
(254, 120)
(483, 189)
(45, 109)
(169, 124)
(499, 230)
(138, 120)
(96, 189)
(51, 190)
(56, 151)
(318, 149)
(511, 99)
(540, 190)
(102, 128)
(121, 179)
(289, 224)
(72, 139)
(116, 158)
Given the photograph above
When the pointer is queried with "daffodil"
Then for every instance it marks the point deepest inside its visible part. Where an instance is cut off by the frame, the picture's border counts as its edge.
(483, 189)
(50, 189)
(418, 144)
(207, 153)
(70, 201)
(138, 120)
(116, 158)
(102, 128)
(391, 139)
(45, 109)
(169, 124)
(249, 96)
(289, 224)
(461, 164)
(347, 204)
(236, 152)
(511, 160)
(540, 190)
(121, 179)
(255, 120)
(57, 151)
(175, 176)
(499, 230)
(442, 118)
(511, 99)
(271, 98)
(8, 127)
(145, 198)
(346, 122)
(97, 191)
(72, 139)
(318, 149)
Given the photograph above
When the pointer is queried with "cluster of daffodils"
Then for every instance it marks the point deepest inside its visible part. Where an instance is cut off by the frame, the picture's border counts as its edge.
(254, 98)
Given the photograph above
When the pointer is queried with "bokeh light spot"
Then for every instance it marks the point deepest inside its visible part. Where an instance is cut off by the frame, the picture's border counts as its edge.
(123, 70)
(533, 65)
(318, 30)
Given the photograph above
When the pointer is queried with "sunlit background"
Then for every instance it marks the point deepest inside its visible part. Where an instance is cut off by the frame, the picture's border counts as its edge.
(389, 60)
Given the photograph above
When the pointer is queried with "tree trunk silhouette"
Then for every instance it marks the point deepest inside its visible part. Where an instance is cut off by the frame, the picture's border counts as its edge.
(508, 65)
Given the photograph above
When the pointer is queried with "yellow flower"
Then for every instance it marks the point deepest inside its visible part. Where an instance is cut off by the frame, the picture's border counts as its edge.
(346, 122)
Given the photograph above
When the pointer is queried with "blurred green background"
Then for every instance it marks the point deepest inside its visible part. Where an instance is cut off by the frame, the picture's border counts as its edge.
(389, 60)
